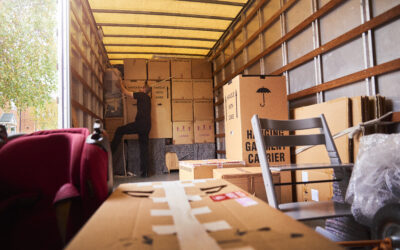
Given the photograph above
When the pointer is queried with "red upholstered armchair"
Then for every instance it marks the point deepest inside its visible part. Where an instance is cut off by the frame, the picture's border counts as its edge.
(51, 182)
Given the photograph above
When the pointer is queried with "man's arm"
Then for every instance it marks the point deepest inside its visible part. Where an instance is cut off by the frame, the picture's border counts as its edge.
(124, 90)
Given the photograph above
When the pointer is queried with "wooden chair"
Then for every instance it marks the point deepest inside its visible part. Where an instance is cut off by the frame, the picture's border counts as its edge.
(299, 210)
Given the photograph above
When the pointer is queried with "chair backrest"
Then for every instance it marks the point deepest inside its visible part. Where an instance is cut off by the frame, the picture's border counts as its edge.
(264, 141)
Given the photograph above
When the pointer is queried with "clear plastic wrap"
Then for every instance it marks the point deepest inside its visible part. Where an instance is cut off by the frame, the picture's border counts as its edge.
(375, 180)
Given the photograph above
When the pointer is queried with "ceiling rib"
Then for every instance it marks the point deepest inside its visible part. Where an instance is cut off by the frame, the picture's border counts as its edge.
(156, 46)
(165, 37)
(161, 14)
(157, 53)
(215, 2)
(158, 27)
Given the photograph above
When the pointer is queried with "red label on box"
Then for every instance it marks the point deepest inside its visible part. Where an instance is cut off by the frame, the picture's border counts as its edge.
(228, 196)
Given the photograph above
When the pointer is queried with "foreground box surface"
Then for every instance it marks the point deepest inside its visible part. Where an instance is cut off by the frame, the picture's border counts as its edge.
(159, 216)
(249, 179)
(203, 169)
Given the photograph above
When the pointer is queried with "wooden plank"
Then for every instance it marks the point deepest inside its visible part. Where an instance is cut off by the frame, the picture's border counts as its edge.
(74, 12)
(325, 9)
(82, 54)
(220, 119)
(84, 109)
(238, 29)
(219, 102)
(255, 35)
(221, 152)
(85, 84)
(357, 76)
(222, 135)
(383, 18)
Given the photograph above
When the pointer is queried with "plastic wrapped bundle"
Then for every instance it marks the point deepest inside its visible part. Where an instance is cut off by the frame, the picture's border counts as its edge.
(375, 180)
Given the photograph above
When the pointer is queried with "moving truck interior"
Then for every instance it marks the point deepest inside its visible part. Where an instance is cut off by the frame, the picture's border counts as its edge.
(212, 65)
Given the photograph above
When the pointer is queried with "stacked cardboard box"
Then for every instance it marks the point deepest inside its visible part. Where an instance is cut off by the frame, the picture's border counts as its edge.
(111, 125)
(192, 105)
(161, 124)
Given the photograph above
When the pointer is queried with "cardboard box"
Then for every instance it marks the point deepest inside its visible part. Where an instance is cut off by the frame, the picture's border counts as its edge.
(203, 169)
(158, 69)
(111, 125)
(182, 133)
(315, 191)
(201, 69)
(171, 161)
(130, 104)
(203, 89)
(204, 131)
(161, 124)
(139, 215)
(181, 69)
(182, 89)
(182, 110)
(249, 179)
(135, 69)
(203, 110)
(244, 97)
(337, 115)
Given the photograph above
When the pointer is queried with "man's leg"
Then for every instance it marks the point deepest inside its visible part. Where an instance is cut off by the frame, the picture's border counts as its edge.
(144, 154)
(130, 128)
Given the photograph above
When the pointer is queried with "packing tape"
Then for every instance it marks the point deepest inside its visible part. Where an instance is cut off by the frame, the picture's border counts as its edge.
(190, 233)
(191, 184)
(217, 226)
(164, 229)
(194, 197)
(159, 199)
(201, 210)
(160, 212)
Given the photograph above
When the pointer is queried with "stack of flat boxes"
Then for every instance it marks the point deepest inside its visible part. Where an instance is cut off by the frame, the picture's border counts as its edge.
(192, 105)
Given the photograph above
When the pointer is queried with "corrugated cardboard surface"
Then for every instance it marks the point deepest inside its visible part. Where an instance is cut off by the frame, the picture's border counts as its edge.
(203, 89)
(182, 89)
(182, 133)
(181, 69)
(249, 179)
(182, 110)
(161, 123)
(337, 115)
(201, 69)
(125, 220)
(241, 102)
(203, 110)
(158, 69)
(317, 191)
(135, 69)
(204, 131)
(203, 169)
(171, 161)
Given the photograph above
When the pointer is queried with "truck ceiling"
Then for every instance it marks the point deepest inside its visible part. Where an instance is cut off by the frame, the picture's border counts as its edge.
(162, 28)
